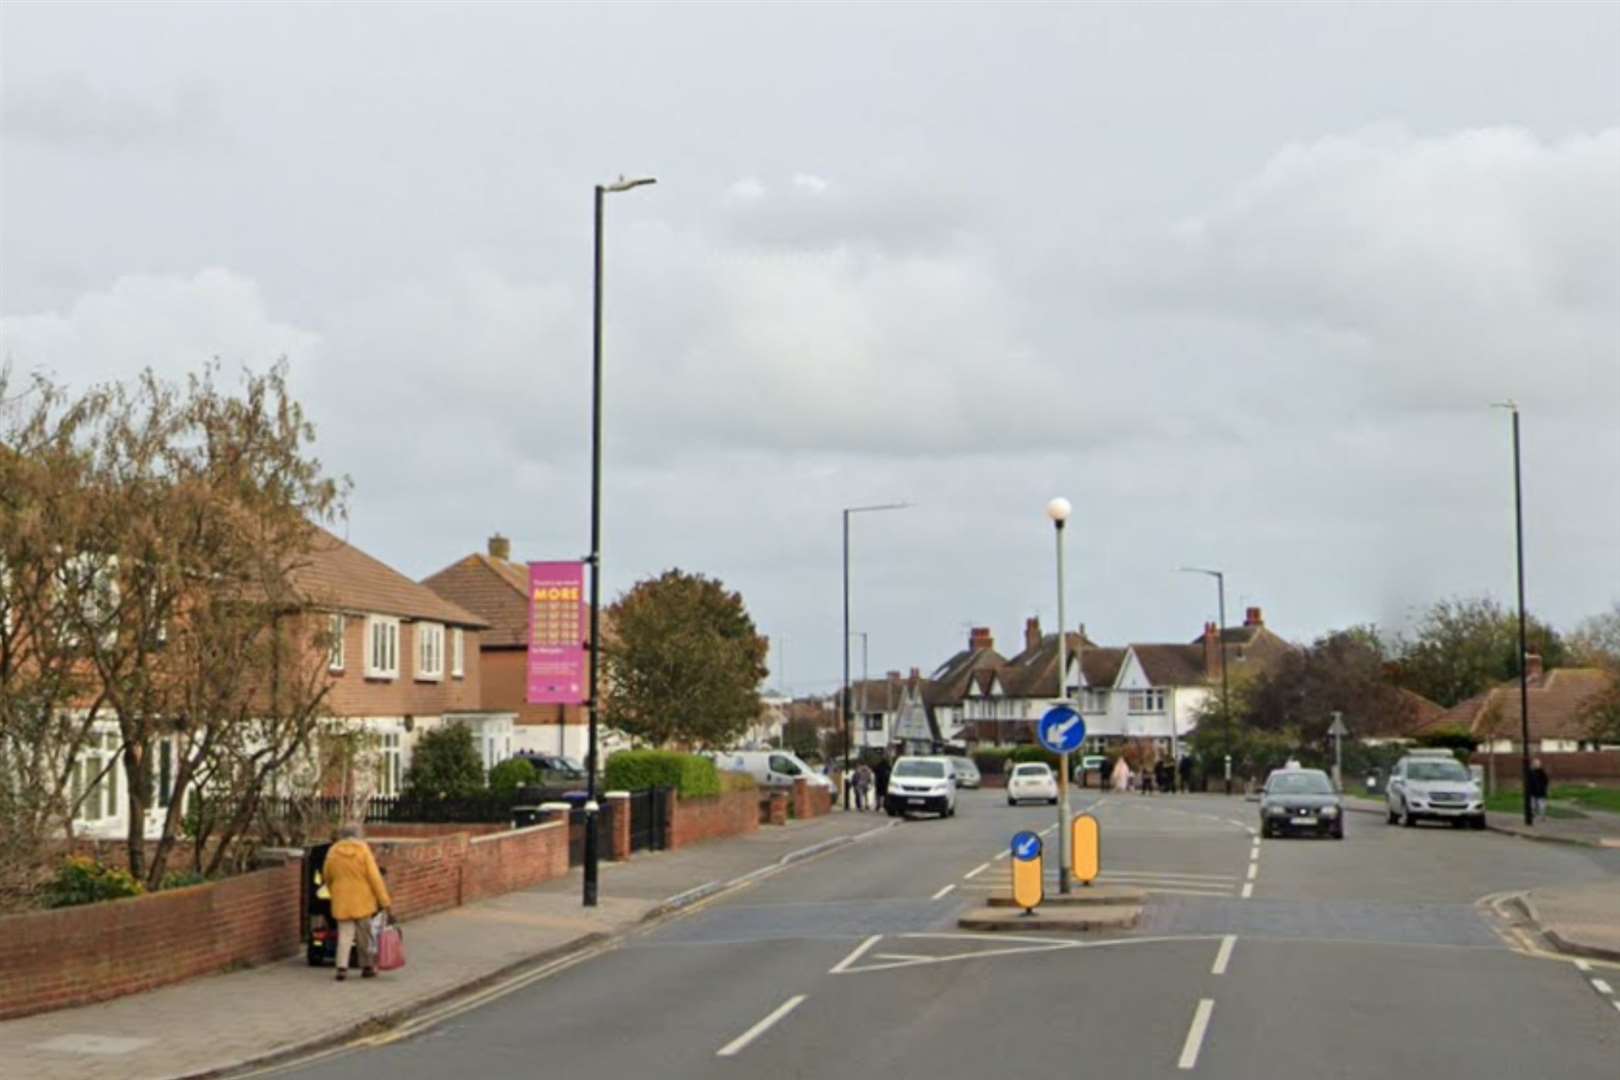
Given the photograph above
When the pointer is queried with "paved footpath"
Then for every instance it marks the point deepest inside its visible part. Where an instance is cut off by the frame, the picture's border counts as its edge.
(210, 1025)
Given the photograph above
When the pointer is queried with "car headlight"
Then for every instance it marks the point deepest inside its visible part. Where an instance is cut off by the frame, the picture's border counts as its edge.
(1275, 810)
(1330, 811)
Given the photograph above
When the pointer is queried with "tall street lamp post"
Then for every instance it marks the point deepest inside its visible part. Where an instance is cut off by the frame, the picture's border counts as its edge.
(843, 696)
(1524, 647)
(1058, 510)
(1226, 692)
(591, 821)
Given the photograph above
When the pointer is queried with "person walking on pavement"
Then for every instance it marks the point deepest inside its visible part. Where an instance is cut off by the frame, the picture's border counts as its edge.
(863, 785)
(1122, 775)
(358, 893)
(1539, 784)
(880, 781)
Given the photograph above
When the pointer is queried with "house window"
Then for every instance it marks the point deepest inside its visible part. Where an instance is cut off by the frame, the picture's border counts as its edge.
(334, 659)
(458, 652)
(874, 721)
(1096, 701)
(1147, 701)
(390, 764)
(382, 647)
(95, 779)
(429, 652)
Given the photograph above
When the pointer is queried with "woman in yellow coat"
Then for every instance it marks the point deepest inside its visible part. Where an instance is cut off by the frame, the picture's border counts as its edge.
(358, 893)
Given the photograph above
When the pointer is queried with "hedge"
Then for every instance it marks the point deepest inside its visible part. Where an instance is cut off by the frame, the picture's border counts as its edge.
(1033, 753)
(637, 770)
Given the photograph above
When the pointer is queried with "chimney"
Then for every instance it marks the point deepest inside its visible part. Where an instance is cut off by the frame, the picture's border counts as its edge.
(1032, 632)
(916, 673)
(1252, 618)
(894, 676)
(500, 547)
(979, 638)
(1532, 667)
(1212, 651)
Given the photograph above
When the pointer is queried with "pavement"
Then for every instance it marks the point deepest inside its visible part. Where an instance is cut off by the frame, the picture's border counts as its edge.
(218, 1024)
(1374, 955)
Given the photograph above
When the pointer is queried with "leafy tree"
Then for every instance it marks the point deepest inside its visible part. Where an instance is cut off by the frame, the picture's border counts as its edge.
(684, 662)
(1596, 641)
(445, 764)
(801, 737)
(1343, 672)
(1463, 646)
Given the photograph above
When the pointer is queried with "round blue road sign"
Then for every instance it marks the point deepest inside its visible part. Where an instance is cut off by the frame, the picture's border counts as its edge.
(1026, 846)
(1062, 730)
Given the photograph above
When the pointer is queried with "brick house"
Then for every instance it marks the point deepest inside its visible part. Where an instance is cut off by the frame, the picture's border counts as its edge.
(496, 590)
(1558, 703)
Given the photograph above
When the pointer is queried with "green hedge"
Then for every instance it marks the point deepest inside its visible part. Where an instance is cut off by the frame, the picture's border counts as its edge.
(1033, 753)
(637, 770)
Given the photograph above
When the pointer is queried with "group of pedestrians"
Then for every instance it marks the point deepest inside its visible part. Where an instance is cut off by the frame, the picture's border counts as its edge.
(1161, 776)
(870, 784)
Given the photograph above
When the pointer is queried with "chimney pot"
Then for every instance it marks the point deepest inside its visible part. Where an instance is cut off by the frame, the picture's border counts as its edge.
(916, 673)
(1032, 632)
(894, 676)
(500, 547)
(980, 638)
(1253, 618)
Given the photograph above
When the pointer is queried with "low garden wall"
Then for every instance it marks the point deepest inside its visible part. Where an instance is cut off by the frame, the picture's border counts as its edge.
(693, 821)
(1599, 766)
(77, 955)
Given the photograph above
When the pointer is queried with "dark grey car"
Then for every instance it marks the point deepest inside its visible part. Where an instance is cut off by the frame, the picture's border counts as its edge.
(1301, 801)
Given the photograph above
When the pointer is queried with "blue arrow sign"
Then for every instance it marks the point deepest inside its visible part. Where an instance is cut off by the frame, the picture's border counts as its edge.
(1026, 846)
(1062, 730)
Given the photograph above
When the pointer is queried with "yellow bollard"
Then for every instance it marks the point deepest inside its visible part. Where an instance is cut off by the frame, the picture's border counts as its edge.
(1086, 848)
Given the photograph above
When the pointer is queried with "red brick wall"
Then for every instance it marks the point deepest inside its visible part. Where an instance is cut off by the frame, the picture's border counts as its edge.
(514, 860)
(428, 830)
(697, 820)
(432, 874)
(423, 876)
(810, 800)
(73, 956)
(1602, 767)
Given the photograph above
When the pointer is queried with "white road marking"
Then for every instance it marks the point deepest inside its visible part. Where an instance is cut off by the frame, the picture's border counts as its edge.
(1254, 870)
(763, 1026)
(1169, 875)
(1195, 1034)
(977, 870)
(1602, 987)
(1617, 1005)
(1048, 830)
(1003, 854)
(1248, 890)
(856, 955)
(943, 891)
(1582, 965)
(1224, 957)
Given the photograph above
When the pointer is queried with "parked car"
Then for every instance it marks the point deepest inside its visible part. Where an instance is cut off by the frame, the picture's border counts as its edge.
(770, 768)
(1433, 784)
(554, 770)
(967, 773)
(1301, 800)
(925, 784)
(1031, 780)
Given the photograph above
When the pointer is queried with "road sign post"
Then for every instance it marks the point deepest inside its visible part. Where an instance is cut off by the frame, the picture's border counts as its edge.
(1061, 731)
(1085, 848)
(1338, 731)
(1028, 871)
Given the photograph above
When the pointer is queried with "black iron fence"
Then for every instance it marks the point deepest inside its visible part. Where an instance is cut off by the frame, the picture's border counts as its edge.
(649, 828)
(486, 807)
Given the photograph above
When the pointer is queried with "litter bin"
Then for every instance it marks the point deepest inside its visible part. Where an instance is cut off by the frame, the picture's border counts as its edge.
(524, 816)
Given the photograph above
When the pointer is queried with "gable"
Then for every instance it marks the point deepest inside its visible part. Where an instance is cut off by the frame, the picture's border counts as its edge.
(1131, 674)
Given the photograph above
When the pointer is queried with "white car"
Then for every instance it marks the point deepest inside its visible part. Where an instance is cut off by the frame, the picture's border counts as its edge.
(921, 784)
(1434, 784)
(1031, 780)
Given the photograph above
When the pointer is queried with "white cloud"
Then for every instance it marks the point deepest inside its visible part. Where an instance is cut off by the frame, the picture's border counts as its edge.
(747, 189)
(810, 183)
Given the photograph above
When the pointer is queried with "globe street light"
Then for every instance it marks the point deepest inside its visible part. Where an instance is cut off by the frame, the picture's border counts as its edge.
(591, 822)
(1058, 510)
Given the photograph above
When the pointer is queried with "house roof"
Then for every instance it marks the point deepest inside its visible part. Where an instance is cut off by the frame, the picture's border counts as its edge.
(1033, 672)
(1171, 665)
(1556, 703)
(495, 589)
(876, 695)
(339, 576)
(949, 683)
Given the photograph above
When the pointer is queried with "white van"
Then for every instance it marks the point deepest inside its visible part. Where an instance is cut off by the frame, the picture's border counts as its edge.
(769, 768)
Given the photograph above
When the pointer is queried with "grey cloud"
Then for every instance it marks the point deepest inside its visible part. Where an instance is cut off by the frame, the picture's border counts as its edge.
(69, 111)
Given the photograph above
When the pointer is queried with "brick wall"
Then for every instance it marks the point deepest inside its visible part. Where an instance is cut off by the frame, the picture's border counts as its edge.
(514, 860)
(428, 830)
(694, 821)
(424, 875)
(73, 956)
(810, 800)
(431, 874)
(1599, 766)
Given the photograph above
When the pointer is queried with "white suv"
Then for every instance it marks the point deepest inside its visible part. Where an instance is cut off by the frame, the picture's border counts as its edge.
(1433, 784)
(925, 784)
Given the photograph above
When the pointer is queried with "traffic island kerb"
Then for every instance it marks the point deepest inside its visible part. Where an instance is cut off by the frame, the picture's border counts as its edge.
(1064, 919)
(1095, 896)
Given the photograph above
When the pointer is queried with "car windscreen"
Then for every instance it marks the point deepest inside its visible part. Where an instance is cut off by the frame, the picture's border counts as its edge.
(1302, 783)
(934, 770)
(1029, 771)
(1436, 770)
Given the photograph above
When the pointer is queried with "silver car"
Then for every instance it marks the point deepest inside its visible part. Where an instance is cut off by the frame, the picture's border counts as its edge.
(1436, 786)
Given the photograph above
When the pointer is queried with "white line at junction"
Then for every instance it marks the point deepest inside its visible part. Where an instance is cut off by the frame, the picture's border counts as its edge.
(1602, 987)
(1254, 870)
(942, 892)
(1248, 889)
(1224, 956)
(977, 870)
(1195, 1034)
(860, 950)
(760, 1028)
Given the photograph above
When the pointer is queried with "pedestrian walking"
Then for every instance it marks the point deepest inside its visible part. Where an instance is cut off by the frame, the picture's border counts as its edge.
(358, 893)
(1539, 784)
(1122, 775)
(880, 781)
(1186, 772)
(1162, 776)
(863, 785)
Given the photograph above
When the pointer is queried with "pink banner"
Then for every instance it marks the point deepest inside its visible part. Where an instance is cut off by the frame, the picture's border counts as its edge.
(556, 633)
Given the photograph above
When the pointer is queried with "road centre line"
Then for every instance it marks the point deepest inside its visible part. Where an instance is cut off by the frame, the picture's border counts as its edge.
(1224, 956)
(1602, 987)
(1582, 965)
(1048, 831)
(1003, 854)
(940, 895)
(1617, 1006)
(858, 952)
(977, 870)
(1248, 890)
(1195, 1034)
(1254, 870)
(760, 1028)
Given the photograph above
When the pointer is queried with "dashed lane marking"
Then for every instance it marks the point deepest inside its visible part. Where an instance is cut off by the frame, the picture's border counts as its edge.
(977, 870)
(741, 1041)
(1602, 987)
(940, 895)
(1248, 890)
(1224, 956)
(1254, 870)
(1195, 1034)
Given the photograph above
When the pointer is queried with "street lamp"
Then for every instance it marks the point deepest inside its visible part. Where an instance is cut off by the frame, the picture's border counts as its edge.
(843, 696)
(1226, 695)
(866, 676)
(1524, 648)
(591, 822)
(1058, 510)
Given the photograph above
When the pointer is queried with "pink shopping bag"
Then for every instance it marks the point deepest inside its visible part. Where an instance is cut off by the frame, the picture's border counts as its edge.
(390, 948)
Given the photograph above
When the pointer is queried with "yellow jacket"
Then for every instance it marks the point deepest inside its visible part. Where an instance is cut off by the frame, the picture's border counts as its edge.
(352, 878)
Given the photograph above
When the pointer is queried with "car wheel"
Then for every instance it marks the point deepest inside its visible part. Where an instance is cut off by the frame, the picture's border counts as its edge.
(1265, 831)
(1406, 817)
(1011, 801)
(1338, 832)
(1479, 822)
(315, 956)
(1053, 802)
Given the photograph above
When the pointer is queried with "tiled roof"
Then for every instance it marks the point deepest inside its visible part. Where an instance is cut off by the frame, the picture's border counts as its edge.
(1171, 665)
(1555, 707)
(495, 589)
(880, 695)
(950, 683)
(1033, 672)
(339, 576)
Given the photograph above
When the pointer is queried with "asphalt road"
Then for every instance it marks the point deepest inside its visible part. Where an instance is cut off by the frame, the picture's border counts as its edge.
(1367, 957)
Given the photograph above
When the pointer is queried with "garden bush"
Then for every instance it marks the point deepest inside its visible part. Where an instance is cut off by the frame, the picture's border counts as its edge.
(637, 770)
(82, 880)
(445, 764)
(737, 781)
(508, 776)
(1033, 753)
(180, 879)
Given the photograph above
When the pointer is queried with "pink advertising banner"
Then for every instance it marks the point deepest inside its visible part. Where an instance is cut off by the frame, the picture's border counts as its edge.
(556, 633)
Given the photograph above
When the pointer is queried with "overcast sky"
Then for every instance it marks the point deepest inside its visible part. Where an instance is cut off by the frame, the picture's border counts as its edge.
(1239, 281)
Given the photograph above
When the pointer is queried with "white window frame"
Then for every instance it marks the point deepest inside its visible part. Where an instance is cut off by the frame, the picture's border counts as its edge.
(458, 653)
(390, 763)
(100, 753)
(429, 651)
(1150, 700)
(382, 647)
(335, 658)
